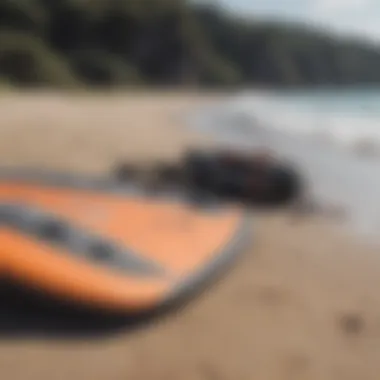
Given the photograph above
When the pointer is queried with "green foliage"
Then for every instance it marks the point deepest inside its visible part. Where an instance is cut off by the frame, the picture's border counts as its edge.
(5, 84)
(103, 69)
(25, 61)
(22, 15)
(288, 55)
(121, 42)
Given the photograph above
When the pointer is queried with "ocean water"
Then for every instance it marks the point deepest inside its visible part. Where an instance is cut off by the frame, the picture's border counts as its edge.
(332, 136)
(348, 118)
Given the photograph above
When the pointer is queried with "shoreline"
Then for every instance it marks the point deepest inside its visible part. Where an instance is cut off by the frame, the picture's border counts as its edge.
(337, 178)
(301, 303)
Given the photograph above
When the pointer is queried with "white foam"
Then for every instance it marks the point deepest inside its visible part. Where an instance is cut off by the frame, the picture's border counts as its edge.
(349, 128)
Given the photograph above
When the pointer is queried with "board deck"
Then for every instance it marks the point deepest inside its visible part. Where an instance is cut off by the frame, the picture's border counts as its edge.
(101, 244)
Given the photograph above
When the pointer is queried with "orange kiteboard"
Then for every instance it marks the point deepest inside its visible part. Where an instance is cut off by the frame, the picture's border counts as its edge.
(101, 244)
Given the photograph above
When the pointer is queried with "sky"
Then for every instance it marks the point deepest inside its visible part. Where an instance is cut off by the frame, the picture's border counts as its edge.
(355, 17)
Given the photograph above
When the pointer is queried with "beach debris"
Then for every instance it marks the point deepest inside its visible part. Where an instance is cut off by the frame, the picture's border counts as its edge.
(307, 206)
(252, 178)
(126, 171)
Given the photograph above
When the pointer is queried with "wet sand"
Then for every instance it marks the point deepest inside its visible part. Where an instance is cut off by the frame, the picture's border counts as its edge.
(301, 304)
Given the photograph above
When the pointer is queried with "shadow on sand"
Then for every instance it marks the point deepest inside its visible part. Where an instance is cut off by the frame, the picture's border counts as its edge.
(26, 314)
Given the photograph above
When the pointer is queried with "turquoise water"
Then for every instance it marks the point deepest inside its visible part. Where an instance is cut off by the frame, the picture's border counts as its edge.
(320, 132)
(353, 101)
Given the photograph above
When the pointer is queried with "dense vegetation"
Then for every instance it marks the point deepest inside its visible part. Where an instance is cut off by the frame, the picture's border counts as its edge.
(167, 42)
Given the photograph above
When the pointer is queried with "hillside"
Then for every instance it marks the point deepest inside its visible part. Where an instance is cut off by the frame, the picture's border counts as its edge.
(75, 43)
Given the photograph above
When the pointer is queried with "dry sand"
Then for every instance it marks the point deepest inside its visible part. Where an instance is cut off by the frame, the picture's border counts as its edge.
(302, 304)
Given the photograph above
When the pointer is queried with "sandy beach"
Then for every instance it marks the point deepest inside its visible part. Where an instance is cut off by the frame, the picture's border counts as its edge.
(301, 304)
